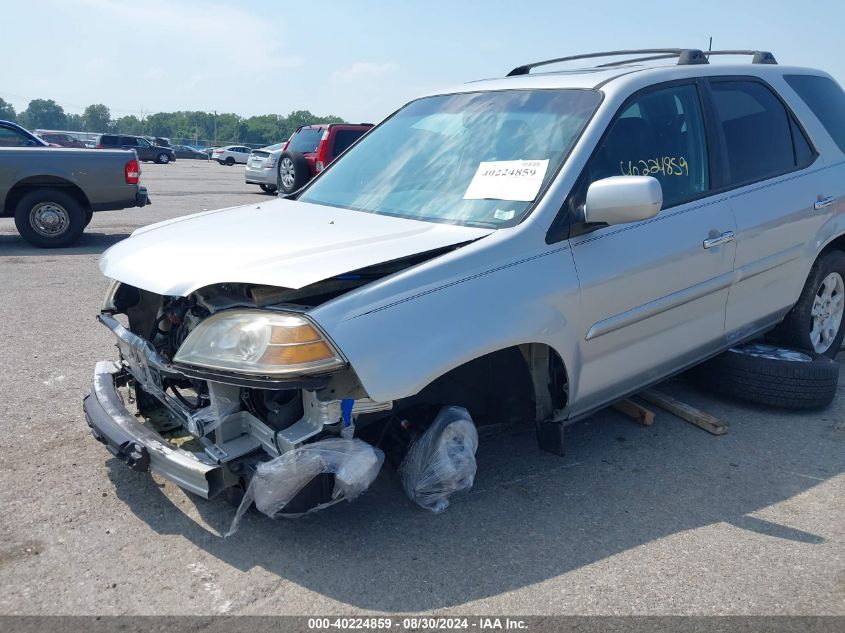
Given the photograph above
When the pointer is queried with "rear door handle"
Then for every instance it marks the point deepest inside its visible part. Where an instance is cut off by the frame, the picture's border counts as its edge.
(724, 238)
(821, 203)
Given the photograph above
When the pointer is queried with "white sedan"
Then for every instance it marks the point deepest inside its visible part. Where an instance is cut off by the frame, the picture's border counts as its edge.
(231, 154)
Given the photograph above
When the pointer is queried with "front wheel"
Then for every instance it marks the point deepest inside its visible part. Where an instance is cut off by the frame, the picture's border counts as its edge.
(49, 218)
(815, 322)
(163, 159)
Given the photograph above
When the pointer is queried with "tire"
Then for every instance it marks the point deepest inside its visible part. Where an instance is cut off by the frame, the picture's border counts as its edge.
(293, 171)
(89, 215)
(230, 161)
(268, 188)
(773, 376)
(49, 218)
(162, 159)
(815, 323)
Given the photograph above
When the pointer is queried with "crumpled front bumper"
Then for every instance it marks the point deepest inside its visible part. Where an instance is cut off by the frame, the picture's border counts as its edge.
(141, 447)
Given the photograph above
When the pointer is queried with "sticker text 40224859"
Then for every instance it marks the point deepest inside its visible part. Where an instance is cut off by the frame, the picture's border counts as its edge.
(660, 166)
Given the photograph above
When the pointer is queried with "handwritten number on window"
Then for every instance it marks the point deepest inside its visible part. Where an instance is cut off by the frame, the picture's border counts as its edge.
(660, 166)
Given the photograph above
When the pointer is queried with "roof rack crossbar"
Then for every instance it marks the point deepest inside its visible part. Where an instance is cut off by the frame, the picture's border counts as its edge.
(684, 55)
(758, 57)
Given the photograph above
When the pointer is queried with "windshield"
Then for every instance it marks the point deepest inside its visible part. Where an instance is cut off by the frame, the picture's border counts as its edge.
(306, 139)
(478, 158)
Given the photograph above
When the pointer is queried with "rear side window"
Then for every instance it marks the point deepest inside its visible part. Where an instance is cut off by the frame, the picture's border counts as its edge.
(661, 134)
(344, 138)
(757, 131)
(827, 101)
(106, 139)
(306, 140)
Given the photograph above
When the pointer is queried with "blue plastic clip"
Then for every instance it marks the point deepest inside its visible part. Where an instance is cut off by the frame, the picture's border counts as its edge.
(346, 411)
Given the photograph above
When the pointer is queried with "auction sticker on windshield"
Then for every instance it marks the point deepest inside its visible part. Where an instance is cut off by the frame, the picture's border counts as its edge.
(507, 180)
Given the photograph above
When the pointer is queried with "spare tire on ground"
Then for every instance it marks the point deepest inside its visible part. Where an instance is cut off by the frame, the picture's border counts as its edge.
(774, 376)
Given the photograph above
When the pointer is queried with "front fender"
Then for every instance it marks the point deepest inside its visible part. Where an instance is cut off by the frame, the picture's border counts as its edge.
(398, 348)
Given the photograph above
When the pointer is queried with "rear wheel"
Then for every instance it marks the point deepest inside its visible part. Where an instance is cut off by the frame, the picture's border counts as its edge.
(49, 218)
(268, 188)
(815, 322)
(230, 161)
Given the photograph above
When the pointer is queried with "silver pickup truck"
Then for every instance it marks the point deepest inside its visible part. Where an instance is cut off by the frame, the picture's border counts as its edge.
(533, 247)
(53, 192)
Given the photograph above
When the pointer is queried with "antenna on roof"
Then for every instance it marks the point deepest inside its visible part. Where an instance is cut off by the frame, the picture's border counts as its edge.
(709, 47)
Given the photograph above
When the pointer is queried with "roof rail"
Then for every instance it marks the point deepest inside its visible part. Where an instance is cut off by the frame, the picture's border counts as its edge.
(685, 56)
(759, 57)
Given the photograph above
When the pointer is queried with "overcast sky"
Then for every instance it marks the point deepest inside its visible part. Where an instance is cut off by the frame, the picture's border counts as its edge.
(362, 59)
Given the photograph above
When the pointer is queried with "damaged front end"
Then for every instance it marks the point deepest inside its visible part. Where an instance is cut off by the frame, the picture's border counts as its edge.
(231, 381)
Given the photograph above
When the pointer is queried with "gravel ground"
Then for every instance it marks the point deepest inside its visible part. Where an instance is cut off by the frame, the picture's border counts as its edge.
(633, 520)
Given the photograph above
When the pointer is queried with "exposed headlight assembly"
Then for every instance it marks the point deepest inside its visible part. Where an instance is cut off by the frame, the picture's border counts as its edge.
(259, 343)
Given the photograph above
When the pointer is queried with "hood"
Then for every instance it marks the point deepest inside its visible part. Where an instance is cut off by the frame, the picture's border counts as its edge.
(277, 243)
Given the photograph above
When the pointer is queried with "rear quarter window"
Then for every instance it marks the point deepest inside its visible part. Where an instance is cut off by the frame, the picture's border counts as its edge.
(827, 101)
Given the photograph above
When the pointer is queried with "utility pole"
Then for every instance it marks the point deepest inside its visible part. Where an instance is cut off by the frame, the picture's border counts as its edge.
(215, 128)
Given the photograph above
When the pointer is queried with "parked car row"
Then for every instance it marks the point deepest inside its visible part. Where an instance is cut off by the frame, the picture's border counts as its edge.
(288, 166)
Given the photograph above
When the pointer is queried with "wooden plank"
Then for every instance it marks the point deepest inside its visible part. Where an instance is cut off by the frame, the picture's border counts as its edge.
(635, 411)
(709, 423)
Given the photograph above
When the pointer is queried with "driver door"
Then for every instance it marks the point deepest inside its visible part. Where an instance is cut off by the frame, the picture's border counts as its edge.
(653, 293)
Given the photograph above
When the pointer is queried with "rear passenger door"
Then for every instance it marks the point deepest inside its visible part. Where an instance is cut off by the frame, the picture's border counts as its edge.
(653, 293)
(767, 165)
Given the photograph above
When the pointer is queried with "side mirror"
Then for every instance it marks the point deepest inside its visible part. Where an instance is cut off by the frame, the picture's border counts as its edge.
(622, 199)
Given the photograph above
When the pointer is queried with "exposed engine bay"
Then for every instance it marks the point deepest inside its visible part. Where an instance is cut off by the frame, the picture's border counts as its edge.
(237, 425)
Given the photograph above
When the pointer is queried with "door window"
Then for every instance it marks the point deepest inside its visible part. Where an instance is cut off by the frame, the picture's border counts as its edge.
(757, 131)
(660, 134)
(13, 138)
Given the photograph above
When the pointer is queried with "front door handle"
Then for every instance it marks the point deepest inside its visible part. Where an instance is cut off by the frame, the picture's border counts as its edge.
(821, 203)
(724, 238)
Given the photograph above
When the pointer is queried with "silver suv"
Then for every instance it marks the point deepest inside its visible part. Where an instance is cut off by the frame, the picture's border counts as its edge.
(533, 247)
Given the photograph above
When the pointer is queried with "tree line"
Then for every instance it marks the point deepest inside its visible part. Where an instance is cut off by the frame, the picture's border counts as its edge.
(204, 126)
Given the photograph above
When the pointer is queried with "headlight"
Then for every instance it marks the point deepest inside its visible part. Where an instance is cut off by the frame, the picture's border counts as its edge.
(261, 343)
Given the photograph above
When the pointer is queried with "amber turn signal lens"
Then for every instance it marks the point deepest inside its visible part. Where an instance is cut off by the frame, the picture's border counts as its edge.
(283, 335)
(296, 354)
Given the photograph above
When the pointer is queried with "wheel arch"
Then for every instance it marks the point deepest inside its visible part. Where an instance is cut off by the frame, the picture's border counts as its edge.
(837, 244)
(529, 379)
(30, 183)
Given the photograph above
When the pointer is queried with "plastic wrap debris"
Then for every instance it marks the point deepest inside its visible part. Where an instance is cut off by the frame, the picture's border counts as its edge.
(204, 421)
(354, 463)
(442, 461)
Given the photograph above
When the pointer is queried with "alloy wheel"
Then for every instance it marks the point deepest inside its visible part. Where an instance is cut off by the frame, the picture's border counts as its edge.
(287, 172)
(827, 311)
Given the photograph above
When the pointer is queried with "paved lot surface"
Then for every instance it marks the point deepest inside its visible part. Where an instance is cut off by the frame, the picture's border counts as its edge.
(659, 520)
